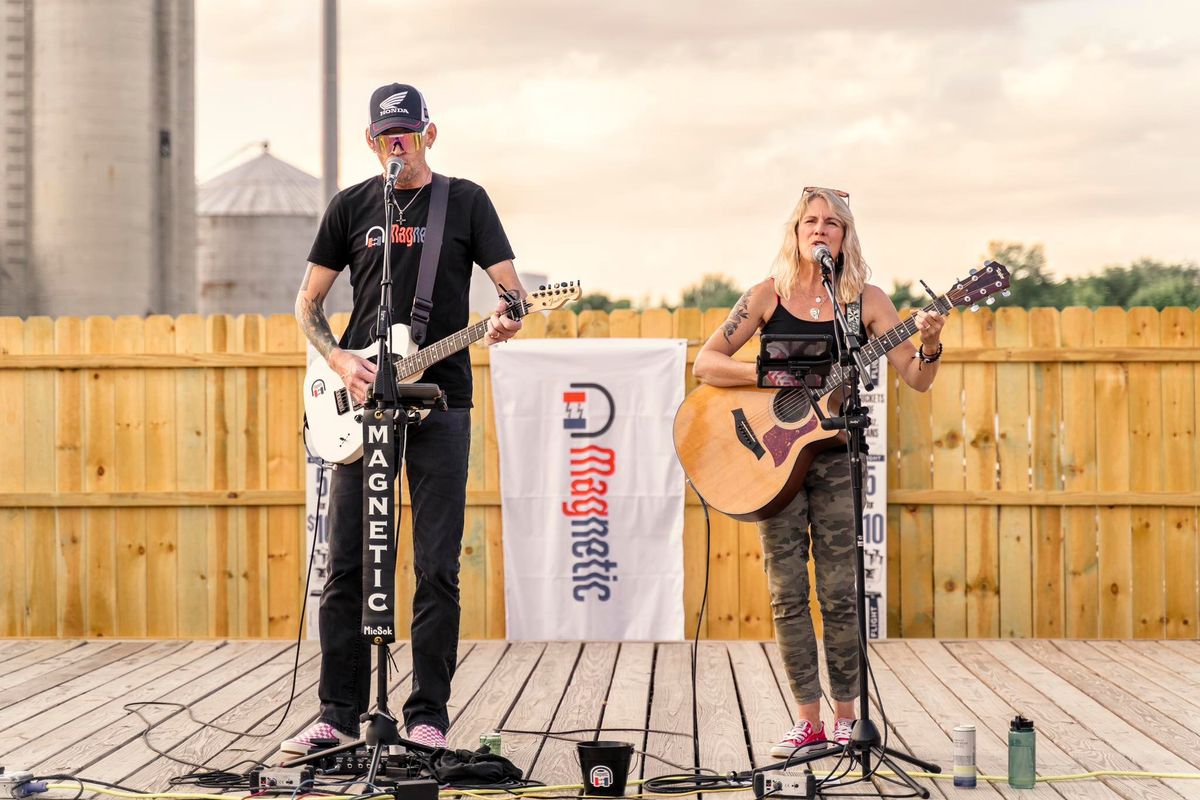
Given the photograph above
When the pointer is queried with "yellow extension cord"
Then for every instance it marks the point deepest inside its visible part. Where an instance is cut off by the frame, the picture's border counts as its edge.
(536, 791)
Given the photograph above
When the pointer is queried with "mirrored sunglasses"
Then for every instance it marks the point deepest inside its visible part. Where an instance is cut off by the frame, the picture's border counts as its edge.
(408, 142)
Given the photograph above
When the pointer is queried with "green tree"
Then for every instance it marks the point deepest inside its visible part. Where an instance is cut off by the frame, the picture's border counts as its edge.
(1032, 284)
(1143, 283)
(713, 291)
(905, 296)
(598, 301)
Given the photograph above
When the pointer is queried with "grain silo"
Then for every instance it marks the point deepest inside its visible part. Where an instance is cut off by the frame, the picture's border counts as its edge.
(255, 225)
(112, 196)
(15, 20)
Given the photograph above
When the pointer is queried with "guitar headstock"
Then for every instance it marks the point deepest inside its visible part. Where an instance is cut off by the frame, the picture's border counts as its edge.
(556, 295)
(981, 286)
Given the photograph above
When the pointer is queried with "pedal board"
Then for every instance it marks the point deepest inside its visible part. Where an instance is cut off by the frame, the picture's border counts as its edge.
(358, 761)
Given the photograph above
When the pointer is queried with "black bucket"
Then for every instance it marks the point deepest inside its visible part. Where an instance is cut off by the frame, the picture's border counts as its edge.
(605, 766)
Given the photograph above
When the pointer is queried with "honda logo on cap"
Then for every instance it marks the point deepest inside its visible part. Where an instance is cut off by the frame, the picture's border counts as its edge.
(391, 103)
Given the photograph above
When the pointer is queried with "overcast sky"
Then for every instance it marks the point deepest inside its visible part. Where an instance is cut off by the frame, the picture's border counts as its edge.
(638, 145)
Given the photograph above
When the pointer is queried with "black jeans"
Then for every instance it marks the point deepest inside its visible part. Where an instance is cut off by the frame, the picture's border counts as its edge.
(436, 462)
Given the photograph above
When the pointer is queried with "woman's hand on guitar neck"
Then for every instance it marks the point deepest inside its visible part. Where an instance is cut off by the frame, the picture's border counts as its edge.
(357, 373)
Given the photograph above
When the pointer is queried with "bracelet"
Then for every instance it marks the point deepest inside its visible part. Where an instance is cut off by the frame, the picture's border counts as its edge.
(929, 359)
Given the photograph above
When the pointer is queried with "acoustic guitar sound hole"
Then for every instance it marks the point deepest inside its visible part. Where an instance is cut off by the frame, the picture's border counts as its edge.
(790, 405)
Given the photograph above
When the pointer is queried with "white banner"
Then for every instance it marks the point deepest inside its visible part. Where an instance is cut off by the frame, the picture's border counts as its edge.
(875, 504)
(591, 493)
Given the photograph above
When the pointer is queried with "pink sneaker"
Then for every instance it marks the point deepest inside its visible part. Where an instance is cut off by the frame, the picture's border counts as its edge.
(320, 734)
(801, 735)
(427, 735)
(842, 729)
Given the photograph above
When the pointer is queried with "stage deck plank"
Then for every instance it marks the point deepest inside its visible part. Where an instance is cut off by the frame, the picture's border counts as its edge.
(1098, 705)
(766, 708)
(17, 654)
(976, 704)
(628, 698)
(489, 706)
(582, 708)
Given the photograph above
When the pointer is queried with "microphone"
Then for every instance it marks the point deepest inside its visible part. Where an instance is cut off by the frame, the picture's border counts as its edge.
(823, 256)
(395, 165)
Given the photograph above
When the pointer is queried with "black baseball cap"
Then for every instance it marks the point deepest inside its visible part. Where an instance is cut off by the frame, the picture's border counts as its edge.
(398, 105)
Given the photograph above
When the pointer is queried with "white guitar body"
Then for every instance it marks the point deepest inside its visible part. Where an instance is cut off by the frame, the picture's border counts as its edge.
(335, 421)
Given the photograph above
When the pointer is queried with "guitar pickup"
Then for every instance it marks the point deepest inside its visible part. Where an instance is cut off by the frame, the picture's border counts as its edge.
(341, 398)
(745, 434)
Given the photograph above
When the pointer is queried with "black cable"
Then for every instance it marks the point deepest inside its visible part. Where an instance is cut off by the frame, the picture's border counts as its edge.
(697, 778)
(685, 784)
(225, 778)
(699, 620)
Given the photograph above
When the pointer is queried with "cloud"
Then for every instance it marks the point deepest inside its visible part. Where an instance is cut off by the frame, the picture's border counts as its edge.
(638, 145)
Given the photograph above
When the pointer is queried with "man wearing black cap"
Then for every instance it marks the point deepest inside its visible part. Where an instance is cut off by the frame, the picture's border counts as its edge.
(351, 235)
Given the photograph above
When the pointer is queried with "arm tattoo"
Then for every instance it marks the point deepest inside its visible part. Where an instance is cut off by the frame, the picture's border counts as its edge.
(740, 313)
(310, 313)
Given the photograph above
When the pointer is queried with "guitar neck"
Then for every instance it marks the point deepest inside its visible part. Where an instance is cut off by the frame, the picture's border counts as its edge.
(426, 357)
(880, 345)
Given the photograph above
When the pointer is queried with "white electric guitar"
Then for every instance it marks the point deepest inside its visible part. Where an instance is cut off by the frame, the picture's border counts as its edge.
(335, 420)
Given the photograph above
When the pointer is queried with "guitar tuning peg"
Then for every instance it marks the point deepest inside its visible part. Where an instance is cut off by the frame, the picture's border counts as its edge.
(975, 306)
(991, 301)
(1006, 293)
(972, 271)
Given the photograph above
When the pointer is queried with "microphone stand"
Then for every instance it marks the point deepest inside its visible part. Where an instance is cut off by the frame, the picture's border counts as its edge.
(390, 409)
(865, 743)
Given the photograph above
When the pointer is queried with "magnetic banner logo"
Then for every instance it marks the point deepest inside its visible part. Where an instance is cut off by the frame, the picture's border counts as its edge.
(379, 541)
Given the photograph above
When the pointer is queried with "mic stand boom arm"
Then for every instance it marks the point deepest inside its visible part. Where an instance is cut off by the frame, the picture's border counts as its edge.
(849, 339)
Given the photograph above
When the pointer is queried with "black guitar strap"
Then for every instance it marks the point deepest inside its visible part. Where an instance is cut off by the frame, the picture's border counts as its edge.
(431, 249)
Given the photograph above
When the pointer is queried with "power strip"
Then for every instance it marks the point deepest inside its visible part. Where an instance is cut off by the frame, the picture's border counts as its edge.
(19, 784)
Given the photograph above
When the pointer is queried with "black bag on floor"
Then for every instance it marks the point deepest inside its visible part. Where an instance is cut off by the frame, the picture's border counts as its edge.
(471, 768)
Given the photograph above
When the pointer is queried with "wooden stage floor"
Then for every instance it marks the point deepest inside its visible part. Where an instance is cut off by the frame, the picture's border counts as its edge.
(1098, 705)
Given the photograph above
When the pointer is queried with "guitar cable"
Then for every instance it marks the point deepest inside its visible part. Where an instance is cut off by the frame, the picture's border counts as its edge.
(226, 779)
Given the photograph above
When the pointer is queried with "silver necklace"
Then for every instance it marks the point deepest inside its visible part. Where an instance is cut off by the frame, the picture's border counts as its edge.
(815, 310)
(400, 215)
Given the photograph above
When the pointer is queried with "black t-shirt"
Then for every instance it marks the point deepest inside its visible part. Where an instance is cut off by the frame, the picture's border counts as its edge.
(351, 235)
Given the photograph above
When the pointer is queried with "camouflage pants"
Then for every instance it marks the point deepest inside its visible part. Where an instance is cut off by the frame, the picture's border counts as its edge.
(821, 520)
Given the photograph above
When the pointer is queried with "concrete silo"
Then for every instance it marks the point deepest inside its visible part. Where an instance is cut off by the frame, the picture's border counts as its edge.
(255, 226)
(112, 228)
(15, 18)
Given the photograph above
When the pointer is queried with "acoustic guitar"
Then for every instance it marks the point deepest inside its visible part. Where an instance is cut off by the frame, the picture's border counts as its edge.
(747, 450)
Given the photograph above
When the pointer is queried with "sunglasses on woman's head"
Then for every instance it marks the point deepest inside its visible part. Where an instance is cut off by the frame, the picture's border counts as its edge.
(844, 195)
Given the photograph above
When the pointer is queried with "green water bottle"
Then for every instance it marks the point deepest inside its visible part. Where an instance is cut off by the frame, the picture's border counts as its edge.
(1022, 754)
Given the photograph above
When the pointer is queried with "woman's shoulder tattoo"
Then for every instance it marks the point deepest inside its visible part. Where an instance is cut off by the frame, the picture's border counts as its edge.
(739, 314)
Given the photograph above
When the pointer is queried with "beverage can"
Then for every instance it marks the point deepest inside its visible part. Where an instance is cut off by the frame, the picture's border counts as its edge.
(491, 741)
(964, 756)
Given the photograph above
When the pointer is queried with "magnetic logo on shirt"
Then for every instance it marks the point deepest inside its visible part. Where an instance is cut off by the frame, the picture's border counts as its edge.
(406, 235)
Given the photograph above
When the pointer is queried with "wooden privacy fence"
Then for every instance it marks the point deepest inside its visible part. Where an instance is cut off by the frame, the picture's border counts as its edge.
(151, 481)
